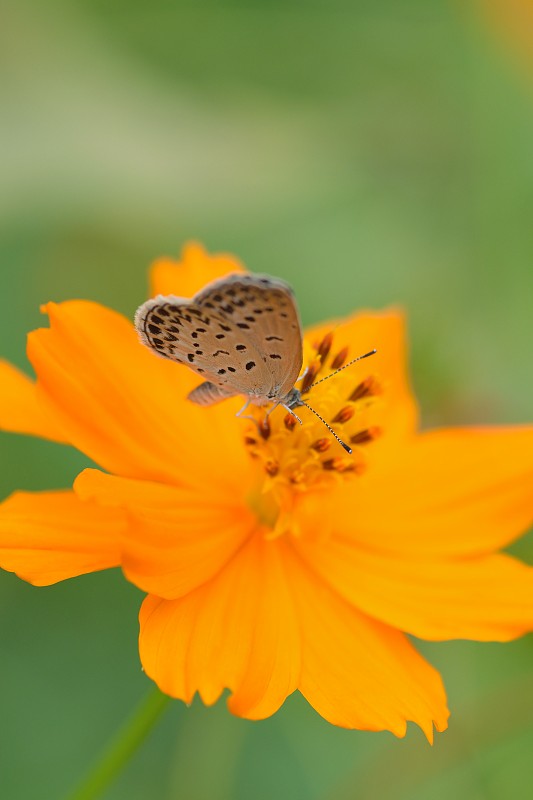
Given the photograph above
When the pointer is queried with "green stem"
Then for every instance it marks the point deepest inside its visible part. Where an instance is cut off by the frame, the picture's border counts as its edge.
(122, 747)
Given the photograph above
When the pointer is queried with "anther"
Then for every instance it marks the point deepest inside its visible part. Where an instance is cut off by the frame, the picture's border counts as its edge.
(272, 467)
(264, 428)
(350, 467)
(297, 477)
(340, 358)
(290, 422)
(249, 440)
(321, 445)
(344, 414)
(341, 465)
(333, 464)
(325, 346)
(310, 376)
(366, 436)
(367, 388)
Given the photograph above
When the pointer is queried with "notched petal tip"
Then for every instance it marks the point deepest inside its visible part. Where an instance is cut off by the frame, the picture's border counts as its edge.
(23, 409)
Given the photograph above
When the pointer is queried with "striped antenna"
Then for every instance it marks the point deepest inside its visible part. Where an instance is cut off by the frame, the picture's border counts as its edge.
(330, 429)
(349, 364)
(294, 400)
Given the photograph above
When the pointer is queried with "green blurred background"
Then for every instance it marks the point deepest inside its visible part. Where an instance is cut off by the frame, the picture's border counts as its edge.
(370, 152)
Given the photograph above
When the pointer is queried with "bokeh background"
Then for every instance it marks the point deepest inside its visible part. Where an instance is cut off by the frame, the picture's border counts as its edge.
(372, 153)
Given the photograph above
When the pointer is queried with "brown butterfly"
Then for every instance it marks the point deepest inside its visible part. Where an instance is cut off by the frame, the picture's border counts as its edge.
(241, 333)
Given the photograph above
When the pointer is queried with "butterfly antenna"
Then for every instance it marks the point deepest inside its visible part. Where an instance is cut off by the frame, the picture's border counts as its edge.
(349, 364)
(330, 429)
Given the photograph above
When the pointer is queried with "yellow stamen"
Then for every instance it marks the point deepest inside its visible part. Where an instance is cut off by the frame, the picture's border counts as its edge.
(289, 457)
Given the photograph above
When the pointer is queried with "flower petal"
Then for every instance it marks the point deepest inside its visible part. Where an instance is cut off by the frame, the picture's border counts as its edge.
(452, 492)
(51, 536)
(21, 409)
(186, 277)
(176, 538)
(264, 626)
(239, 631)
(384, 331)
(487, 599)
(356, 672)
(126, 408)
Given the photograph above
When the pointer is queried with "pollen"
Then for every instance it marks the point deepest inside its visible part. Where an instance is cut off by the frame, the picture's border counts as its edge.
(290, 458)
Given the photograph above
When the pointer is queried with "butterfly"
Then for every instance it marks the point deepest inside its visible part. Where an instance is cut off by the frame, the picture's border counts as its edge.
(241, 334)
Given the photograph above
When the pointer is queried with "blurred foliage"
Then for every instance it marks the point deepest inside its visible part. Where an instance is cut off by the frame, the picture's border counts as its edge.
(372, 153)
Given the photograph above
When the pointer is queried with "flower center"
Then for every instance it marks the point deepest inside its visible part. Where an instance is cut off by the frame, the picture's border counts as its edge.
(290, 458)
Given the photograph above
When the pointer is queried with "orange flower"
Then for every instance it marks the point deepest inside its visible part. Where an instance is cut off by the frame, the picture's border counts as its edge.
(512, 22)
(273, 561)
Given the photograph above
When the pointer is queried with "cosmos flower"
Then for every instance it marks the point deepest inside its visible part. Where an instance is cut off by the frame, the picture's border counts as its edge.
(272, 560)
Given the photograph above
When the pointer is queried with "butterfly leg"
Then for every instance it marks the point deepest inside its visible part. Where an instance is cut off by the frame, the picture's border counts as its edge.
(292, 413)
(243, 409)
(302, 376)
(270, 410)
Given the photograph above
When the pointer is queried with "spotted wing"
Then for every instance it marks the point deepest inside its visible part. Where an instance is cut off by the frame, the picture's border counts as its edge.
(241, 333)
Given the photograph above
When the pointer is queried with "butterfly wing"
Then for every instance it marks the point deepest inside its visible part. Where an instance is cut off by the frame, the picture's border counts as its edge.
(241, 333)
(263, 312)
(207, 394)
